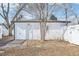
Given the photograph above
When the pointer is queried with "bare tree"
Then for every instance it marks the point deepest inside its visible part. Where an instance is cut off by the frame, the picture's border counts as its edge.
(68, 10)
(9, 25)
(41, 11)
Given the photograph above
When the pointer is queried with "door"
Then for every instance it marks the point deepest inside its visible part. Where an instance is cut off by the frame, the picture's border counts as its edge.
(20, 31)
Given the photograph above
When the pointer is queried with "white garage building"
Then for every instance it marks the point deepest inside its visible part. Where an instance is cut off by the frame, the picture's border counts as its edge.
(30, 30)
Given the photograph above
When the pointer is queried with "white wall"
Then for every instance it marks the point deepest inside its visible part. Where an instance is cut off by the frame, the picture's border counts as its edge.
(32, 31)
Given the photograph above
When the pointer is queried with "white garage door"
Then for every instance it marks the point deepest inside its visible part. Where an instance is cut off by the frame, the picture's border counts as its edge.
(25, 31)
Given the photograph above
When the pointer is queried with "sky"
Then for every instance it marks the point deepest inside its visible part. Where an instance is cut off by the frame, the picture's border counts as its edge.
(76, 8)
(59, 13)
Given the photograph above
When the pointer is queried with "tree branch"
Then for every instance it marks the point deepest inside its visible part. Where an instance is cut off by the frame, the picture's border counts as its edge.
(2, 16)
(4, 13)
(5, 26)
(3, 9)
(17, 13)
(8, 10)
(52, 9)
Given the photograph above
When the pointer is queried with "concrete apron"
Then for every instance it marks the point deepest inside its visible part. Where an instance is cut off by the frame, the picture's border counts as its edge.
(15, 43)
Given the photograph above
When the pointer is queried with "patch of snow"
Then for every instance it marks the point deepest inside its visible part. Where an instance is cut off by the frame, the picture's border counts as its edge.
(72, 34)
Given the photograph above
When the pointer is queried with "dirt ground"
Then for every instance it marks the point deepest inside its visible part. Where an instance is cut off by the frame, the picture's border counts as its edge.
(8, 38)
(5, 40)
(44, 48)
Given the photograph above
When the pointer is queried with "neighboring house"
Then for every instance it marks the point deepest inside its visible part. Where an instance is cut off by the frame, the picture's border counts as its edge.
(53, 17)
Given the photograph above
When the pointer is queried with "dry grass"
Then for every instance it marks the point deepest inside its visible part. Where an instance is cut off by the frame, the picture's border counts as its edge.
(44, 48)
